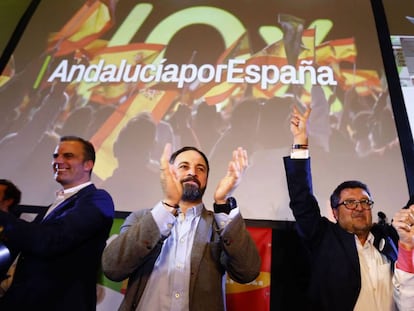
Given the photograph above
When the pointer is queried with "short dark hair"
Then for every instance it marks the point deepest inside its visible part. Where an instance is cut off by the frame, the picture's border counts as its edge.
(189, 148)
(349, 184)
(88, 149)
(410, 202)
(11, 192)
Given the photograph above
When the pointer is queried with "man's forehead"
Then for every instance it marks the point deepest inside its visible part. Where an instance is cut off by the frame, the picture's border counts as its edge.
(190, 156)
(354, 191)
(69, 144)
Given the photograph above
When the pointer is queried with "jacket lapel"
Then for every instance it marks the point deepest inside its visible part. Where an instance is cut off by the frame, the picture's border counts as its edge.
(201, 239)
(60, 208)
(67, 203)
(384, 243)
(348, 243)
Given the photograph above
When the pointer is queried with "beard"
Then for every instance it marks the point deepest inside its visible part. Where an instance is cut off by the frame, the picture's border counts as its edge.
(192, 193)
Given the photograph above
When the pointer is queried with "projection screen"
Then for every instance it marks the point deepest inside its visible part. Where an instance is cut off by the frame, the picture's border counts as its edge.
(400, 20)
(131, 76)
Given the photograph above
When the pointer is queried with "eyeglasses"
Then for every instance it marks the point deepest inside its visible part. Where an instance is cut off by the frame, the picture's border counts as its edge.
(353, 204)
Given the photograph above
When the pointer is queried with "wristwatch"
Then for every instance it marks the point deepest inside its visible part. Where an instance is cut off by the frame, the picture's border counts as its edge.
(226, 207)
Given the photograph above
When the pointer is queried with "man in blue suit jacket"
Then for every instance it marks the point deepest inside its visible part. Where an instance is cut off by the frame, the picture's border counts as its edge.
(59, 255)
(352, 260)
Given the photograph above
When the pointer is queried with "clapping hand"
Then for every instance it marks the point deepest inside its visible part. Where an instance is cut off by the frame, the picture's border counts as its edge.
(171, 186)
(234, 174)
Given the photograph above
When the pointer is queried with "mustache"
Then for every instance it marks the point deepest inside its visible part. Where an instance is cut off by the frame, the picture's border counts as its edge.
(191, 178)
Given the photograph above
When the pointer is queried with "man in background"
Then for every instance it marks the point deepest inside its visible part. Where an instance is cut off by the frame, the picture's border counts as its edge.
(10, 196)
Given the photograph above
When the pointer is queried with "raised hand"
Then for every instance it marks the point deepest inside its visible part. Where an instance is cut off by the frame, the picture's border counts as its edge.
(170, 185)
(231, 180)
(298, 125)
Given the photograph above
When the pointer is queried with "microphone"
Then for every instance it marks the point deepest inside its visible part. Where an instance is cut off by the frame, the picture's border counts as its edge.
(5, 260)
(382, 218)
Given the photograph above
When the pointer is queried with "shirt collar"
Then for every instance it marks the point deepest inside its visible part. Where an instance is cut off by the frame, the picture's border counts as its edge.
(195, 210)
(76, 188)
(370, 238)
(369, 241)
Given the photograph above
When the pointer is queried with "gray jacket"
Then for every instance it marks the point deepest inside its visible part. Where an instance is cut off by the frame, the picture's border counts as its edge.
(133, 253)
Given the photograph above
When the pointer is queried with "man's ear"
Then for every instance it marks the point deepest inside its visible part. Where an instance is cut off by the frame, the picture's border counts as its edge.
(6, 204)
(88, 165)
(335, 213)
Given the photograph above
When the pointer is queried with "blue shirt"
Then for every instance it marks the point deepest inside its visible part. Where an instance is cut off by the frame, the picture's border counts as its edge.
(168, 285)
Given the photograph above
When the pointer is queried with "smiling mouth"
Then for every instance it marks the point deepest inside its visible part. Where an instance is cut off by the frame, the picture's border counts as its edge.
(60, 170)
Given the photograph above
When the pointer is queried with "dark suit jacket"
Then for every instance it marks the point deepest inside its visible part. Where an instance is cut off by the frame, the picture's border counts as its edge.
(335, 272)
(60, 255)
(133, 254)
(7, 255)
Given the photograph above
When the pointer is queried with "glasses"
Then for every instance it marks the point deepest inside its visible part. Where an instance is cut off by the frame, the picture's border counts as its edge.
(353, 204)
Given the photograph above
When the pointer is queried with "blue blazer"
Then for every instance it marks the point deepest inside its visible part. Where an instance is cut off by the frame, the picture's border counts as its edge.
(335, 280)
(59, 255)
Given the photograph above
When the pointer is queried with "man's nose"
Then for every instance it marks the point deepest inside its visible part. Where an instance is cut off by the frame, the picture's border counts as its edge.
(56, 160)
(191, 171)
(358, 206)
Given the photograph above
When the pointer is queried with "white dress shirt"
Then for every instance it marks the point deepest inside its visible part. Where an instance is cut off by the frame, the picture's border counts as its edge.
(376, 278)
(64, 194)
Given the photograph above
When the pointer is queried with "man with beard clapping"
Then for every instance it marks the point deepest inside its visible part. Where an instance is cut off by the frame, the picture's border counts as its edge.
(176, 254)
